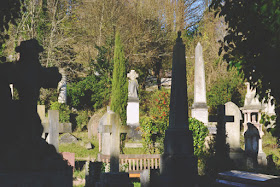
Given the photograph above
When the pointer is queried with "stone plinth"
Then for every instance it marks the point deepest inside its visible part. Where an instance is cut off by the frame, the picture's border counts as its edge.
(61, 178)
(133, 112)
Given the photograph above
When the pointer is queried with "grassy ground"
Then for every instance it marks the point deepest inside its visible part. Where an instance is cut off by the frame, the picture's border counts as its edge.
(81, 153)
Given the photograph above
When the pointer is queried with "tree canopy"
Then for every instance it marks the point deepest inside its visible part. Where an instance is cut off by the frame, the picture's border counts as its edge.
(252, 42)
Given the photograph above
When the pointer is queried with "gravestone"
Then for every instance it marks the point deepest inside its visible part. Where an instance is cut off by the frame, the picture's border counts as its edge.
(252, 137)
(93, 173)
(199, 107)
(68, 138)
(178, 164)
(53, 129)
(132, 111)
(233, 131)
(70, 157)
(114, 177)
(28, 159)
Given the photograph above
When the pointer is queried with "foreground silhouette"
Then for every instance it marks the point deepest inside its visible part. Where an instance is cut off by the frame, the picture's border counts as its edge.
(22, 148)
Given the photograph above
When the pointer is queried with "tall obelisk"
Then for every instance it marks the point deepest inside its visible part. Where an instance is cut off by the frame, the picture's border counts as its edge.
(199, 107)
(178, 165)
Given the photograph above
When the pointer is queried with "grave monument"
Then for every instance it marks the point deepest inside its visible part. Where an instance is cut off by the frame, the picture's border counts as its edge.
(132, 111)
(199, 107)
(178, 164)
(28, 160)
(62, 87)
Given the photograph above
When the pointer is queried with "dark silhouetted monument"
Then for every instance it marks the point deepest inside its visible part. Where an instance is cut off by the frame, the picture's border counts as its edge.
(178, 166)
(26, 158)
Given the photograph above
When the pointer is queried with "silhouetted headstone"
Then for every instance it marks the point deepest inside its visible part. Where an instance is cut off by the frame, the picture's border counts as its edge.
(28, 159)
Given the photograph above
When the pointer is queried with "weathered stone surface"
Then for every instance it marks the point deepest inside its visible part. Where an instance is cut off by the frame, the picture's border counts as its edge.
(233, 128)
(88, 145)
(199, 107)
(53, 128)
(93, 124)
(68, 138)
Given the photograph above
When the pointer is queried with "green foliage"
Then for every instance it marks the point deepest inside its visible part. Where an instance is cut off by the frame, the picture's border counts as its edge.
(64, 111)
(119, 82)
(252, 42)
(153, 126)
(199, 132)
(225, 89)
(91, 93)
(82, 120)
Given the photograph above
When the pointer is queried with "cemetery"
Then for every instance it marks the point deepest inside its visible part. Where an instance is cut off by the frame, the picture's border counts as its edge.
(152, 93)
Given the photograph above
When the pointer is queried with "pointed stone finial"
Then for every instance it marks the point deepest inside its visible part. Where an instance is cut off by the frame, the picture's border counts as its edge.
(179, 39)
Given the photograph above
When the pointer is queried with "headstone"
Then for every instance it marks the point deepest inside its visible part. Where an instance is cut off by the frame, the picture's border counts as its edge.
(199, 107)
(114, 177)
(68, 138)
(233, 132)
(132, 111)
(62, 88)
(28, 160)
(54, 132)
(93, 124)
(252, 137)
(178, 163)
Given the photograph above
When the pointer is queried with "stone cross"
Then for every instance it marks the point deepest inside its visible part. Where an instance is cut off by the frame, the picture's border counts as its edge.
(132, 84)
(178, 162)
(199, 107)
(110, 128)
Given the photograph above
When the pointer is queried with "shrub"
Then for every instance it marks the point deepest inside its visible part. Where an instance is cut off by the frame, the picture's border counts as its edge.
(64, 111)
(82, 120)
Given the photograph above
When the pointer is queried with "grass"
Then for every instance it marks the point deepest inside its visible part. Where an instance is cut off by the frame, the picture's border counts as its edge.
(80, 151)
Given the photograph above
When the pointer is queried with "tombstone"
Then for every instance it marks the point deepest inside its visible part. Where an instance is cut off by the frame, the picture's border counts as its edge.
(199, 107)
(54, 133)
(28, 159)
(62, 88)
(105, 129)
(178, 164)
(93, 124)
(68, 138)
(233, 131)
(132, 111)
(114, 177)
(62, 127)
(252, 114)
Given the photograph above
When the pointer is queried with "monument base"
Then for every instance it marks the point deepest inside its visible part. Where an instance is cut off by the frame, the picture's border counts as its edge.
(118, 179)
(262, 159)
(200, 112)
(63, 178)
(134, 132)
(178, 165)
(238, 156)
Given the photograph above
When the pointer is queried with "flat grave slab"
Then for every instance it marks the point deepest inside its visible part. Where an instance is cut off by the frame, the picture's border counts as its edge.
(247, 179)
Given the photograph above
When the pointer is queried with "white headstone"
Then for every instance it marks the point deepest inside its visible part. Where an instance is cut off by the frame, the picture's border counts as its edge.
(62, 88)
(132, 110)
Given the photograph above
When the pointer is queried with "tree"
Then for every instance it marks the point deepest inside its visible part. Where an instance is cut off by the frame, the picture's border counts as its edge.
(252, 43)
(119, 93)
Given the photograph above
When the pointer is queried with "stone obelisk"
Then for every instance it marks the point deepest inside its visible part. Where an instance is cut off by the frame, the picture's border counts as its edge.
(199, 107)
(178, 164)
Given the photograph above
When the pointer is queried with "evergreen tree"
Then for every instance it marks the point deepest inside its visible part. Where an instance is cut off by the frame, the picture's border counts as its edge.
(119, 84)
